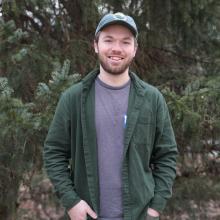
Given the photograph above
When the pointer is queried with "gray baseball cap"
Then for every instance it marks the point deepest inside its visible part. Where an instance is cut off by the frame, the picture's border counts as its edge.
(117, 18)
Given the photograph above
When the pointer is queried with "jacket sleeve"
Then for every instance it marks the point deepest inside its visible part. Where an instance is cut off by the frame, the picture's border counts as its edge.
(57, 154)
(163, 157)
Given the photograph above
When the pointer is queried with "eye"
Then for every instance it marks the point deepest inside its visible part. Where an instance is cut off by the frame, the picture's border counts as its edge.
(107, 41)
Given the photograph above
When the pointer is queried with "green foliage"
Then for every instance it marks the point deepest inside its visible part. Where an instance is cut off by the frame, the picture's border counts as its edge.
(15, 126)
(196, 119)
(178, 52)
(35, 35)
(5, 90)
(23, 128)
(46, 95)
(22, 62)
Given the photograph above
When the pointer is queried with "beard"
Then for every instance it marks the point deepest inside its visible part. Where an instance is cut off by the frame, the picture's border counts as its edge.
(114, 70)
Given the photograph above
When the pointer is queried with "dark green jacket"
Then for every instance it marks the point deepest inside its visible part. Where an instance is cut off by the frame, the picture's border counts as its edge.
(149, 162)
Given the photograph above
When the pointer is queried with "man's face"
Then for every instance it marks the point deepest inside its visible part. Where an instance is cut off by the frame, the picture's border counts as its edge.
(116, 47)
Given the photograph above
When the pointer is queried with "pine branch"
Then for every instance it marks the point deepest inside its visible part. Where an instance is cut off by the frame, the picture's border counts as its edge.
(183, 56)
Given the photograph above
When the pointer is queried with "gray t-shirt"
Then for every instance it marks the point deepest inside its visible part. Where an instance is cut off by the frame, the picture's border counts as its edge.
(110, 119)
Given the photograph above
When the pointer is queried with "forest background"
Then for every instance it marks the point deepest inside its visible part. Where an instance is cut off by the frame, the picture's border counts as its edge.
(46, 46)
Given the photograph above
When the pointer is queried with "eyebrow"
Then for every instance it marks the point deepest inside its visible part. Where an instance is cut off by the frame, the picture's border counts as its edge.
(125, 38)
(108, 36)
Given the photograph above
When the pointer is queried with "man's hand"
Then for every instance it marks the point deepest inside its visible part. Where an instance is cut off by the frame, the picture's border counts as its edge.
(80, 211)
(153, 212)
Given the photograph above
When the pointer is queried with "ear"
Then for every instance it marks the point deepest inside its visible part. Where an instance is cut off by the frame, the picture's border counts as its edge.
(135, 49)
(95, 44)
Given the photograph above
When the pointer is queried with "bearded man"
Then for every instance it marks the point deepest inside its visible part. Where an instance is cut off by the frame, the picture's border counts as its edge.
(110, 151)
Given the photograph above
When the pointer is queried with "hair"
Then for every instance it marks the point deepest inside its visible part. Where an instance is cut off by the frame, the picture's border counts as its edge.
(96, 39)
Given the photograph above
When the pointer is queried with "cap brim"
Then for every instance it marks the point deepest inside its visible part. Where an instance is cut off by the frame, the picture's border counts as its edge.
(134, 32)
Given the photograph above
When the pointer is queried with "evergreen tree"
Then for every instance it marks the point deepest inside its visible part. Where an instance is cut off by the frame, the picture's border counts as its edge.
(178, 52)
(23, 129)
(35, 35)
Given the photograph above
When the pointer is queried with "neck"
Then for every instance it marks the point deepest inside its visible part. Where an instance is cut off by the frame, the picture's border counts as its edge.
(114, 80)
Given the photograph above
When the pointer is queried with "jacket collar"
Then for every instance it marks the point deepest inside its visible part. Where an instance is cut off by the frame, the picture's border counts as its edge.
(138, 83)
(90, 78)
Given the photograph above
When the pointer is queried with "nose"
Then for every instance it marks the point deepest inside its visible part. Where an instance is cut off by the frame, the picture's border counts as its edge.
(116, 47)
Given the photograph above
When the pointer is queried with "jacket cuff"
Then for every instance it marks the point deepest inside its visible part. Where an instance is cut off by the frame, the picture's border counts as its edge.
(158, 203)
(69, 200)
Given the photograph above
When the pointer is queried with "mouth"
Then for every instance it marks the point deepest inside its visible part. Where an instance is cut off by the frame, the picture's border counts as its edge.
(114, 58)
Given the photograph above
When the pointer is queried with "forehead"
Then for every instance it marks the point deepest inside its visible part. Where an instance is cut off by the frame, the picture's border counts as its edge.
(116, 30)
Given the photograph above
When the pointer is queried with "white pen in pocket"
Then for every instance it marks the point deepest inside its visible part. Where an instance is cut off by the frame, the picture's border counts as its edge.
(125, 120)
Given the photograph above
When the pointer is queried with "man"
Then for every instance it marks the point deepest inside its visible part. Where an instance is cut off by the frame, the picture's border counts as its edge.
(110, 151)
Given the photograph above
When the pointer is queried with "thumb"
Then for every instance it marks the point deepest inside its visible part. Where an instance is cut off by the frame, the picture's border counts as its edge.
(91, 213)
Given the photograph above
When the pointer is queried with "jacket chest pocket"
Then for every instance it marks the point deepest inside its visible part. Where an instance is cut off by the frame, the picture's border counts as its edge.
(144, 131)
